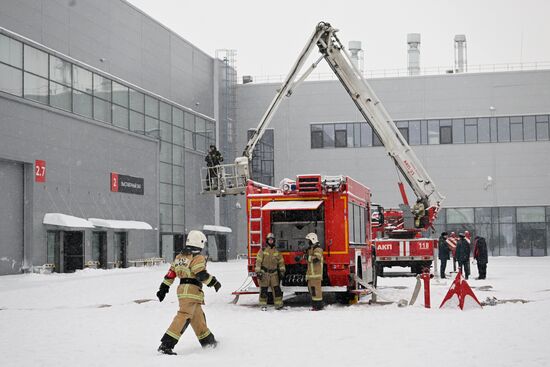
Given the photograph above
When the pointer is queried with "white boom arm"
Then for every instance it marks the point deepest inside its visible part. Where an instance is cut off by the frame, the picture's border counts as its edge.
(366, 101)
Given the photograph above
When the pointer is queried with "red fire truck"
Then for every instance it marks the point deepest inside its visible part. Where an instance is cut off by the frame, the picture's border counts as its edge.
(398, 241)
(337, 209)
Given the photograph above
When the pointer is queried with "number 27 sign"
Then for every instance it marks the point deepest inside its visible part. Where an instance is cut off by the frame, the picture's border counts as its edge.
(40, 171)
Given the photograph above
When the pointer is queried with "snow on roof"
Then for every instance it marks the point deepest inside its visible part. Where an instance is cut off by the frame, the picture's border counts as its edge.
(222, 229)
(119, 224)
(64, 220)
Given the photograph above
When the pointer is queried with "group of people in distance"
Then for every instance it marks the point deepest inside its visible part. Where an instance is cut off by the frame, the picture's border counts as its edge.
(460, 247)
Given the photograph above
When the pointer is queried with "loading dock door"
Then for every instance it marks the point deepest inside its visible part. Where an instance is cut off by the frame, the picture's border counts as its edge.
(11, 217)
(99, 248)
(121, 242)
(73, 251)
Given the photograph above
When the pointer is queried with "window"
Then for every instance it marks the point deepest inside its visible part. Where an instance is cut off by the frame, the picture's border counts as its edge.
(493, 124)
(433, 132)
(350, 135)
(458, 131)
(503, 129)
(460, 215)
(328, 136)
(414, 132)
(177, 115)
(102, 110)
(36, 88)
(316, 136)
(530, 214)
(60, 71)
(102, 87)
(446, 134)
(483, 130)
(137, 122)
(516, 129)
(357, 134)
(542, 127)
(136, 101)
(151, 107)
(405, 132)
(10, 80)
(82, 79)
(424, 132)
(11, 51)
(470, 131)
(36, 61)
(60, 96)
(529, 128)
(82, 103)
(340, 136)
(120, 94)
(366, 135)
(177, 175)
(152, 127)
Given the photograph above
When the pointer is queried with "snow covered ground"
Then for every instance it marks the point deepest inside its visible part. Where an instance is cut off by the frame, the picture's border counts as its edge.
(90, 319)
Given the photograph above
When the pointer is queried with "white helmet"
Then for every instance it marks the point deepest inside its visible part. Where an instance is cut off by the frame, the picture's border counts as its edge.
(312, 237)
(196, 239)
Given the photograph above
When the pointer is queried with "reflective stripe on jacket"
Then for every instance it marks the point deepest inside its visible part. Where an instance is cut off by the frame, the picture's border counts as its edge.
(271, 259)
(188, 266)
(314, 263)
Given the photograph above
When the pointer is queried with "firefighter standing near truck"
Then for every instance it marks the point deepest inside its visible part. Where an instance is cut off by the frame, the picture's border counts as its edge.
(314, 274)
(190, 267)
(270, 269)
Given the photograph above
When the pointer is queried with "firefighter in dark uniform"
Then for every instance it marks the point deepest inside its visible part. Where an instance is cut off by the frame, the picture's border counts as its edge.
(213, 159)
(463, 254)
(314, 274)
(444, 253)
(270, 269)
(482, 256)
(190, 267)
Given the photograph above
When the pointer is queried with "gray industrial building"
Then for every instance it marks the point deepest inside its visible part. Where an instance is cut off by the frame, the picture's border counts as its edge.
(106, 116)
(105, 119)
(483, 138)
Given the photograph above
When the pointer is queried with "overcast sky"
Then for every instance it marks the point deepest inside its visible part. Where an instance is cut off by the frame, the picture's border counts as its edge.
(268, 35)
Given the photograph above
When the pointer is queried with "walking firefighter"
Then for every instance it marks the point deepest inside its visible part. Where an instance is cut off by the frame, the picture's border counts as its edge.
(190, 267)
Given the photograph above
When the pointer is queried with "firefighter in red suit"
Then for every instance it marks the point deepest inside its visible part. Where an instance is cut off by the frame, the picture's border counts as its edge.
(190, 267)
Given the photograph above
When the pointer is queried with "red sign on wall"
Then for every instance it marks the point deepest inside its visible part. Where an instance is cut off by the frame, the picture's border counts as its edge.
(39, 171)
(114, 182)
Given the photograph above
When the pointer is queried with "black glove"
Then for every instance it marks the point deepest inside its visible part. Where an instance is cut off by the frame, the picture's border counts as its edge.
(214, 283)
(217, 286)
(162, 291)
(260, 274)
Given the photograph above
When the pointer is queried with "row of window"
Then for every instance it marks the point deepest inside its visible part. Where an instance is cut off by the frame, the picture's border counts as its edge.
(509, 231)
(437, 131)
(33, 74)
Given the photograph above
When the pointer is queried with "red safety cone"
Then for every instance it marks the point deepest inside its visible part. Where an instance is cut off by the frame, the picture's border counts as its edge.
(461, 289)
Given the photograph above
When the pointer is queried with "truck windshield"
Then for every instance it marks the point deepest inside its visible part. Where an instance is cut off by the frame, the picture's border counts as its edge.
(291, 227)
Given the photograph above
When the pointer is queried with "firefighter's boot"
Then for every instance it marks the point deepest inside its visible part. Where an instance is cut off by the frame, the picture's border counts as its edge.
(209, 341)
(317, 305)
(167, 344)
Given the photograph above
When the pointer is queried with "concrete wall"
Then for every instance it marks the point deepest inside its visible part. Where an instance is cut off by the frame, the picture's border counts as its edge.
(134, 46)
(80, 155)
(520, 171)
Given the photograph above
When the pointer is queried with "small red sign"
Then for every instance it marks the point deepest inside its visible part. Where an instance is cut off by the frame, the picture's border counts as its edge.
(114, 182)
(40, 171)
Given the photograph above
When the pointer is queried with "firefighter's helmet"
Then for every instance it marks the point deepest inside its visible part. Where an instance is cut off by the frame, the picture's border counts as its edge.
(270, 236)
(196, 239)
(312, 237)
